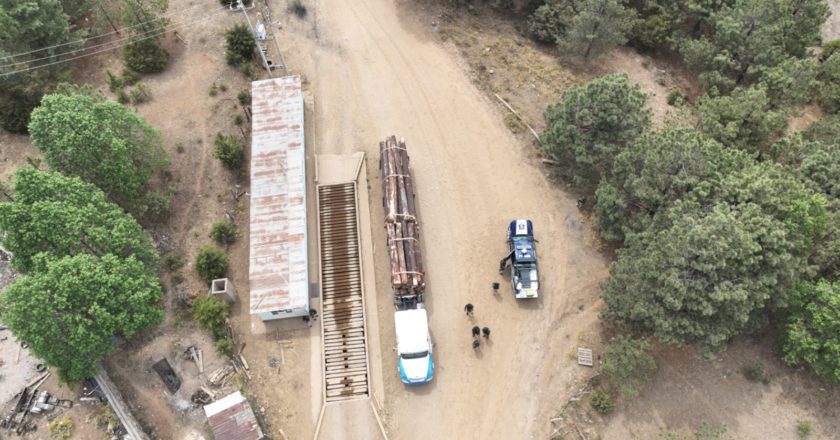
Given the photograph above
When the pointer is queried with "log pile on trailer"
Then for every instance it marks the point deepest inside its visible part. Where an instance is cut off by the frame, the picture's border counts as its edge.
(403, 233)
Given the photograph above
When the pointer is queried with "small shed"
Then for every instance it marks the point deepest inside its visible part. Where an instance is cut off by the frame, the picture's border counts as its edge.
(231, 418)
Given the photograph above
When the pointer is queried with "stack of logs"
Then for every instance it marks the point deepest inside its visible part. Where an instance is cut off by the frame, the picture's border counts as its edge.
(407, 277)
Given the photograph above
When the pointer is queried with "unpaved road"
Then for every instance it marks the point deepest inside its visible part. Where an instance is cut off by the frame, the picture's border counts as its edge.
(374, 71)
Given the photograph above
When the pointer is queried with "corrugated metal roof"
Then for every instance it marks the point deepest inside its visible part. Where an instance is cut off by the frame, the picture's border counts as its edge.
(278, 260)
(231, 418)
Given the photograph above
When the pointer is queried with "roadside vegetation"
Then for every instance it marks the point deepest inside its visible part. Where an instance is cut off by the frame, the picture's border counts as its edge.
(725, 224)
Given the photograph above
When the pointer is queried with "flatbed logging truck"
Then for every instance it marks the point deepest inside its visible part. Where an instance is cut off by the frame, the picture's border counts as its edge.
(408, 280)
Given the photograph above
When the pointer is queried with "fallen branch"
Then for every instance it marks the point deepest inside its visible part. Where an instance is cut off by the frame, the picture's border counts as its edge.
(518, 116)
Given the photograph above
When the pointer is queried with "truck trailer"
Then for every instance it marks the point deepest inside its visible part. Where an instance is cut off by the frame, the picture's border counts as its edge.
(408, 279)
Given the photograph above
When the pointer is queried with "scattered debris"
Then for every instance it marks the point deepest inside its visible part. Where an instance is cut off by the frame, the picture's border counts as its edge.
(200, 397)
(218, 377)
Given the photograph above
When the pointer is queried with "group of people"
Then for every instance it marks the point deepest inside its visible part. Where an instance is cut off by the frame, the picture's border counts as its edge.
(477, 331)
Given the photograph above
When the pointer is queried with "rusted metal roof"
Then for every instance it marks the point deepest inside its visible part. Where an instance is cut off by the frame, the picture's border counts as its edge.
(278, 260)
(231, 418)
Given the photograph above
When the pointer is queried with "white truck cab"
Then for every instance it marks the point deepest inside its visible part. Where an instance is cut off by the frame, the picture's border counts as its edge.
(414, 346)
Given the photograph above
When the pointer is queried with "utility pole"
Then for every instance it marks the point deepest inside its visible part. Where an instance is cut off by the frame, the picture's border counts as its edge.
(259, 47)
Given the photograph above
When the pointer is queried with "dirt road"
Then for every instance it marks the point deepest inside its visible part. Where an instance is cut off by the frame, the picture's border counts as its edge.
(373, 72)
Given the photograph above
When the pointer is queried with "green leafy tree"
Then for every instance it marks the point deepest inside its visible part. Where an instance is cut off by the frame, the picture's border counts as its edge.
(691, 17)
(101, 142)
(745, 119)
(829, 95)
(726, 254)
(700, 281)
(591, 124)
(229, 150)
(63, 216)
(33, 36)
(812, 334)
(69, 309)
(825, 130)
(655, 171)
(628, 364)
(239, 45)
(211, 311)
(598, 26)
(550, 21)
(211, 263)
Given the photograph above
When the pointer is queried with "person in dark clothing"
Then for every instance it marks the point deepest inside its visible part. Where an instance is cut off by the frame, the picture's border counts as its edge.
(496, 288)
(313, 314)
(469, 309)
(503, 263)
(476, 331)
(581, 202)
(476, 344)
(486, 332)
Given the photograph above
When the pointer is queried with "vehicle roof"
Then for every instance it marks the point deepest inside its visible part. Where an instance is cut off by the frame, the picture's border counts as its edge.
(412, 330)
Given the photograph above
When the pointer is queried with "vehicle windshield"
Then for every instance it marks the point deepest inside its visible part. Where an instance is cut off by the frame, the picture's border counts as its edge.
(419, 354)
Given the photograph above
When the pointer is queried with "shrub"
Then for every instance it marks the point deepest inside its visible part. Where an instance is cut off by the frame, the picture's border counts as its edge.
(829, 49)
(756, 373)
(211, 311)
(244, 97)
(122, 96)
(628, 364)
(223, 232)
(239, 45)
(145, 56)
(179, 147)
(158, 205)
(298, 9)
(601, 401)
(60, 429)
(238, 120)
(651, 33)
(129, 77)
(211, 263)
(675, 97)
(214, 90)
(248, 70)
(803, 428)
(229, 150)
(173, 261)
(225, 346)
(549, 22)
(114, 82)
(139, 94)
(829, 95)
(707, 431)
(15, 111)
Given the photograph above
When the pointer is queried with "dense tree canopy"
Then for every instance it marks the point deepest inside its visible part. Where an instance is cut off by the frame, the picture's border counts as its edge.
(598, 26)
(749, 35)
(813, 329)
(550, 21)
(591, 124)
(33, 33)
(744, 119)
(829, 95)
(70, 308)
(64, 216)
(718, 258)
(100, 141)
(654, 172)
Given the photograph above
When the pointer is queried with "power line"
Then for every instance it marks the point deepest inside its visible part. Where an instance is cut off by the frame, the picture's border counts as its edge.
(107, 43)
(82, 40)
(162, 31)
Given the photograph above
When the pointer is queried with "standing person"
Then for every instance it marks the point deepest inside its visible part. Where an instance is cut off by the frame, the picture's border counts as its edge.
(469, 309)
(486, 332)
(476, 344)
(476, 331)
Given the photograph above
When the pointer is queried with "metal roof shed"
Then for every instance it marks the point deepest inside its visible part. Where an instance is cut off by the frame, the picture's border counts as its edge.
(279, 280)
(231, 418)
